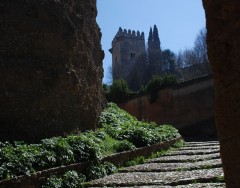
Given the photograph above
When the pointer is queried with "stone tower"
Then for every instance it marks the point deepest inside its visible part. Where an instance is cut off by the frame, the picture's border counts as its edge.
(127, 47)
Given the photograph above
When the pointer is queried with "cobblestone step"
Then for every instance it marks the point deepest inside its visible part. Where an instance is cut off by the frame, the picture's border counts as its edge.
(184, 158)
(193, 152)
(196, 165)
(159, 178)
(194, 185)
(195, 144)
(199, 147)
(165, 167)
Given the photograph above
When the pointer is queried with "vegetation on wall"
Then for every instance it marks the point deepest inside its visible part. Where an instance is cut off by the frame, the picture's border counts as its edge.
(118, 131)
(157, 83)
(119, 91)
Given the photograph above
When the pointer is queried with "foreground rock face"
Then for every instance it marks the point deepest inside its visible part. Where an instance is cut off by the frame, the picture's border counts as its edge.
(223, 40)
(51, 68)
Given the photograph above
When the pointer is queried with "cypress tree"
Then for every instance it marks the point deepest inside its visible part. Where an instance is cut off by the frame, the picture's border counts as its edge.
(150, 38)
(154, 53)
(156, 38)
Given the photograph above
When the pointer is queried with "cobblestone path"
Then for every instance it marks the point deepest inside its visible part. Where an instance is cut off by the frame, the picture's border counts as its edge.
(195, 165)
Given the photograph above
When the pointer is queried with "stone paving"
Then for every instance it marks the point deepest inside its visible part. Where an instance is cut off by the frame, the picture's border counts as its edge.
(196, 165)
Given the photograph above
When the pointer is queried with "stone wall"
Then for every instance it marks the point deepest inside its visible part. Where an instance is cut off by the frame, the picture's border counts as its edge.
(187, 106)
(51, 68)
(223, 40)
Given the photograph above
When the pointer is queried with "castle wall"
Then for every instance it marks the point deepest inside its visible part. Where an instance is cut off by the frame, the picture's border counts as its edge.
(187, 106)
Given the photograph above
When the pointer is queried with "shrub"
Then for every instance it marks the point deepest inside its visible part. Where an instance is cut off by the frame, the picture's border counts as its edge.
(124, 145)
(124, 127)
(154, 84)
(118, 92)
(70, 179)
(83, 148)
(23, 159)
(96, 171)
(158, 82)
(53, 182)
(114, 116)
(61, 150)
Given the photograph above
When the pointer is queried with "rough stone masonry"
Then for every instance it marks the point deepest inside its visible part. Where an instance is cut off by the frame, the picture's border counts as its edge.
(50, 68)
(223, 40)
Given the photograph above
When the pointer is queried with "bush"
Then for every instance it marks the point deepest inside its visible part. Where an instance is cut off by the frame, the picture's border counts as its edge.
(23, 159)
(96, 171)
(121, 126)
(70, 179)
(124, 145)
(158, 82)
(53, 182)
(114, 116)
(118, 91)
(139, 136)
(60, 149)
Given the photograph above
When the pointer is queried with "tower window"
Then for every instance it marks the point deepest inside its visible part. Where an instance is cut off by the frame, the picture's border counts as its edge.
(132, 55)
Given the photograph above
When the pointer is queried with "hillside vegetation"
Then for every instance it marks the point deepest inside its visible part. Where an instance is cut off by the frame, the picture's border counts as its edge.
(118, 131)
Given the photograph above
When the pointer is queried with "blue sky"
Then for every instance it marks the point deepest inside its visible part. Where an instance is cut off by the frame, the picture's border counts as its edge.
(178, 22)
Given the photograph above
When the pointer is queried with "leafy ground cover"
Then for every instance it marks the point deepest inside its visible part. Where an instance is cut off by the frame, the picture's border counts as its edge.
(77, 180)
(118, 132)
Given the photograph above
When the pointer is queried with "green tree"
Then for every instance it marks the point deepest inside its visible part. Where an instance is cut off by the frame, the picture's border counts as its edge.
(150, 37)
(156, 40)
(158, 82)
(168, 61)
(106, 88)
(154, 53)
(119, 91)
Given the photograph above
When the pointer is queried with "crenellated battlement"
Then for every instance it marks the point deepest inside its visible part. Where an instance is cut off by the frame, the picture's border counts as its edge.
(130, 33)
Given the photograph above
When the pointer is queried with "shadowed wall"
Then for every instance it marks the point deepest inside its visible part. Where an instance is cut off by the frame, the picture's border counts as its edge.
(223, 40)
(187, 106)
(51, 68)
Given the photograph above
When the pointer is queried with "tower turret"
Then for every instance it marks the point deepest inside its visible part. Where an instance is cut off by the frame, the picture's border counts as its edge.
(127, 46)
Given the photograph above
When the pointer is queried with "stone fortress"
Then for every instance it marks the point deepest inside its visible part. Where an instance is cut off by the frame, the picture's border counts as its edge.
(135, 64)
(127, 46)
